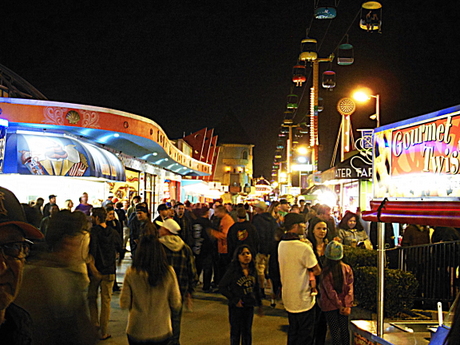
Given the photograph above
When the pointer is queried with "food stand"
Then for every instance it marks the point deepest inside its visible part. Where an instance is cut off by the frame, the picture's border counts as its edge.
(416, 180)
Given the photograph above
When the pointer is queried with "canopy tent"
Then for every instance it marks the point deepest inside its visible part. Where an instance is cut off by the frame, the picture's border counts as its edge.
(32, 154)
(434, 213)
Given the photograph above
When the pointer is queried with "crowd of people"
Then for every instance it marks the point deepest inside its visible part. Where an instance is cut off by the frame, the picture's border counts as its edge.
(247, 253)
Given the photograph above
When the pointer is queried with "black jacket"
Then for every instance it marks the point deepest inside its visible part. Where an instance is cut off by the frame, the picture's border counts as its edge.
(242, 233)
(103, 246)
(266, 226)
(185, 229)
(17, 328)
(236, 286)
(202, 244)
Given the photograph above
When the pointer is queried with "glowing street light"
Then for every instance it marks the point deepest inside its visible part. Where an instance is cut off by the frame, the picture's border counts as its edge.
(302, 150)
(302, 159)
(364, 96)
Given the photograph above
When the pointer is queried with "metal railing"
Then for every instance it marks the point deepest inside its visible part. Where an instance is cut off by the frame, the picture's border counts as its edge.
(436, 267)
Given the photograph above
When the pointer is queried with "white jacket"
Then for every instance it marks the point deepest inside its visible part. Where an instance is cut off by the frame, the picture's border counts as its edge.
(149, 307)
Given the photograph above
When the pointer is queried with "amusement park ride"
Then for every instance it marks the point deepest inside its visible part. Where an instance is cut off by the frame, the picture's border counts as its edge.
(307, 66)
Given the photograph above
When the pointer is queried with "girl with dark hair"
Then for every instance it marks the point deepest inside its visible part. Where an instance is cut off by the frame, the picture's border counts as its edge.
(240, 286)
(351, 231)
(318, 238)
(150, 290)
(337, 293)
(273, 209)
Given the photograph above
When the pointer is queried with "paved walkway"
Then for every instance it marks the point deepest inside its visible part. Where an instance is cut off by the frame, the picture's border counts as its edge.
(207, 322)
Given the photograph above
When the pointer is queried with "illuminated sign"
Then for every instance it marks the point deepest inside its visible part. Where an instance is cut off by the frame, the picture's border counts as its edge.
(58, 155)
(418, 159)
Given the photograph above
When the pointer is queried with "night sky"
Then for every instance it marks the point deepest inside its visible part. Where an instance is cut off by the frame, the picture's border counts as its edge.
(188, 64)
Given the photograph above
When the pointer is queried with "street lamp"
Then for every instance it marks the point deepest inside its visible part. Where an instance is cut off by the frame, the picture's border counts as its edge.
(362, 96)
(302, 150)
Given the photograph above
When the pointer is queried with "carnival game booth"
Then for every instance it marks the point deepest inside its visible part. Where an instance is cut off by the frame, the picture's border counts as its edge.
(67, 149)
(416, 180)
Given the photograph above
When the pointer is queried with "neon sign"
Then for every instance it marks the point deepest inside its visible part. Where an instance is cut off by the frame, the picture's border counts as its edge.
(419, 159)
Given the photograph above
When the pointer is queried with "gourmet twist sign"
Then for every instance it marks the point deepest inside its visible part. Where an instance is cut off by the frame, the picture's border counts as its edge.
(418, 159)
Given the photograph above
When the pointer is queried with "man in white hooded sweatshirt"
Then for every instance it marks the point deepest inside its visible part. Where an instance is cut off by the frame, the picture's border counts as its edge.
(181, 258)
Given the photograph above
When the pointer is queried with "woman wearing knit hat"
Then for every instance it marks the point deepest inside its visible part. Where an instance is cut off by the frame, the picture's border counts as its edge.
(337, 293)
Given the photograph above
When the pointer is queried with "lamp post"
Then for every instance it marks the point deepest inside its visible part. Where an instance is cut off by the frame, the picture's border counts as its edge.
(363, 96)
(302, 160)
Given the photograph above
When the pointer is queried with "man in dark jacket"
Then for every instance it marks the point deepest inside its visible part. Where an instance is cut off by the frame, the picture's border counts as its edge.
(47, 207)
(138, 221)
(184, 222)
(203, 246)
(265, 225)
(163, 213)
(103, 247)
(242, 232)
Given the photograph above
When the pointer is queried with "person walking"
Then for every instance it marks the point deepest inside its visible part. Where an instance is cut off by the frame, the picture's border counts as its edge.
(56, 282)
(104, 244)
(337, 293)
(202, 246)
(139, 224)
(240, 285)
(181, 258)
(150, 291)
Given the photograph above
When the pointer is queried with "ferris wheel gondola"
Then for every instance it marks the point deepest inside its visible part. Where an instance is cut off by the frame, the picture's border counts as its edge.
(371, 16)
(299, 75)
(325, 9)
(329, 80)
(308, 50)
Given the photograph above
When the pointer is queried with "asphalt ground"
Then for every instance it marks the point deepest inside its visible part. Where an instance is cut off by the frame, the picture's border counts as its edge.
(206, 322)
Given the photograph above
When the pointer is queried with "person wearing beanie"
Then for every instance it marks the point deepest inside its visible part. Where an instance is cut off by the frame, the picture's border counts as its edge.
(163, 213)
(337, 293)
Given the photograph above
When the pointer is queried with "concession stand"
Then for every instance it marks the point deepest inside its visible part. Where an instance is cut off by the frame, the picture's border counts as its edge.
(66, 149)
(416, 180)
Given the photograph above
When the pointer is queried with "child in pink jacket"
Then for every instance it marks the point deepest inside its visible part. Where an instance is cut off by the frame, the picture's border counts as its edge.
(337, 293)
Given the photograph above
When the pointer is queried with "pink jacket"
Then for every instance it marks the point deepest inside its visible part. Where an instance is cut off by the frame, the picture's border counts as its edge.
(330, 299)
